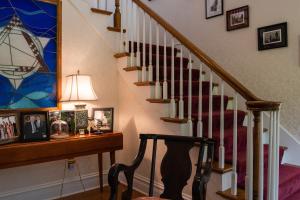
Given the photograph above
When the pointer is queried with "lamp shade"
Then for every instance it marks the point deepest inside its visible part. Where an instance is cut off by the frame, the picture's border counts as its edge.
(79, 88)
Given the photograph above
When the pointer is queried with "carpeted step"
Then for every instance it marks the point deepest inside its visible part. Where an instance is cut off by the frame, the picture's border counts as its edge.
(161, 60)
(195, 73)
(289, 182)
(295, 196)
(195, 88)
(161, 49)
(228, 116)
(205, 103)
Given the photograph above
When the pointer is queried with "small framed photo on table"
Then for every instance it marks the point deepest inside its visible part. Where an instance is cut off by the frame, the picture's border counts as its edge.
(213, 8)
(274, 36)
(9, 128)
(103, 120)
(34, 126)
(237, 18)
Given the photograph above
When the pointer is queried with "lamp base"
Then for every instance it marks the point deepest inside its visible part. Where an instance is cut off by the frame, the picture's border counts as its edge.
(80, 106)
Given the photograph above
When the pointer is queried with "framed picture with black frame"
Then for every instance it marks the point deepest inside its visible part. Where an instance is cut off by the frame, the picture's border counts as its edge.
(274, 36)
(237, 18)
(34, 126)
(213, 8)
(103, 120)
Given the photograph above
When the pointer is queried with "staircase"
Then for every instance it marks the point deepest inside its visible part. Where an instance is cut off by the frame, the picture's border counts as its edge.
(194, 86)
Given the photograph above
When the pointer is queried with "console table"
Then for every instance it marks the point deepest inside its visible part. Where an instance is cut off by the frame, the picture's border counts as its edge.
(20, 154)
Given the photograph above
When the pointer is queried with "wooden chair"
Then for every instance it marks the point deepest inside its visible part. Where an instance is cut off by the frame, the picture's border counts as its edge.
(176, 167)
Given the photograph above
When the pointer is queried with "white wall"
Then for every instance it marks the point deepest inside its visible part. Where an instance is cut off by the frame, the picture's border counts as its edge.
(272, 74)
(82, 49)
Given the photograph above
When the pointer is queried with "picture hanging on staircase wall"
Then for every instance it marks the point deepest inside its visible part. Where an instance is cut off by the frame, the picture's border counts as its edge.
(213, 8)
(30, 54)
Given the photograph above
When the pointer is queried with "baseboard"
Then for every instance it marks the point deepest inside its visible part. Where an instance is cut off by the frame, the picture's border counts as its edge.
(51, 190)
(141, 185)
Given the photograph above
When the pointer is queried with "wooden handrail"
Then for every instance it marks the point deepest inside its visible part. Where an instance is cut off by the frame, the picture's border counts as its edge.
(228, 78)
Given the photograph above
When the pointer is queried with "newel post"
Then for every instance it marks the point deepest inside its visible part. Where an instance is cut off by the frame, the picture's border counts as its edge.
(256, 152)
(117, 15)
(257, 108)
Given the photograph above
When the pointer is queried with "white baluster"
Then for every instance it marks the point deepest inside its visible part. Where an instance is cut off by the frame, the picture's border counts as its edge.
(165, 84)
(190, 123)
(132, 35)
(150, 67)
(181, 103)
(126, 25)
(98, 4)
(157, 83)
(144, 71)
(221, 147)
(138, 52)
(249, 171)
(210, 107)
(173, 104)
(199, 124)
(276, 165)
(121, 32)
(234, 158)
(270, 159)
(261, 160)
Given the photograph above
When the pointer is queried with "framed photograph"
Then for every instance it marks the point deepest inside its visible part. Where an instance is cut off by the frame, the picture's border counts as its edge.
(237, 18)
(53, 116)
(274, 36)
(213, 8)
(9, 128)
(34, 126)
(69, 117)
(30, 53)
(106, 118)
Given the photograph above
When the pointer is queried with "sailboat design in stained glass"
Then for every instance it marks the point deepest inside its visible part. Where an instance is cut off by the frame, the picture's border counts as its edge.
(27, 55)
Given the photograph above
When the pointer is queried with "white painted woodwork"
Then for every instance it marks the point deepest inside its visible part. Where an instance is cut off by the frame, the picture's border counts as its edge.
(157, 83)
(199, 124)
(165, 83)
(234, 157)
(221, 147)
(181, 103)
(190, 123)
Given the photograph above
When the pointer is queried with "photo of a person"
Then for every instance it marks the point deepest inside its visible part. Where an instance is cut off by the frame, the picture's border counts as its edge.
(8, 128)
(34, 126)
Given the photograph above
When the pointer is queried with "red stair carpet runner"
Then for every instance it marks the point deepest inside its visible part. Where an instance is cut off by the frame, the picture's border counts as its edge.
(289, 176)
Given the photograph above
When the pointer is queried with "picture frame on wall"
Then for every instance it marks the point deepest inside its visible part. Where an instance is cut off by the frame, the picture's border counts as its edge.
(34, 126)
(273, 36)
(103, 120)
(237, 18)
(9, 128)
(213, 8)
(30, 55)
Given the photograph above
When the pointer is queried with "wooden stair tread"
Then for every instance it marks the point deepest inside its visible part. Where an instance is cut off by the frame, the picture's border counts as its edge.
(216, 169)
(144, 83)
(159, 100)
(227, 194)
(135, 68)
(174, 120)
(114, 29)
(100, 11)
(120, 55)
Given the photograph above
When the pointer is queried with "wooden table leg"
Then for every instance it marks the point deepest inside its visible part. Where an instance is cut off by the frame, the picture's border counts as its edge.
(112, 157)
(100, 167)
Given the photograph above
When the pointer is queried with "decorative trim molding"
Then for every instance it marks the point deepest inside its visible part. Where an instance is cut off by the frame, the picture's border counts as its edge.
(141, 184)
(51, 190)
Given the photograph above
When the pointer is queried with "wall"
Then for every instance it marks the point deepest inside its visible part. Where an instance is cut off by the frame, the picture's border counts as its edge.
(272, 74)
(85, 50)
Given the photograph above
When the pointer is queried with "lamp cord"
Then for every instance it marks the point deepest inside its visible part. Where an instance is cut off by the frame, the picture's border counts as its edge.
(63, 180)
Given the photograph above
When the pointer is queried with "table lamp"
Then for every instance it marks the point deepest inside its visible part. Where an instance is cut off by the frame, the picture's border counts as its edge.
(79, 88)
